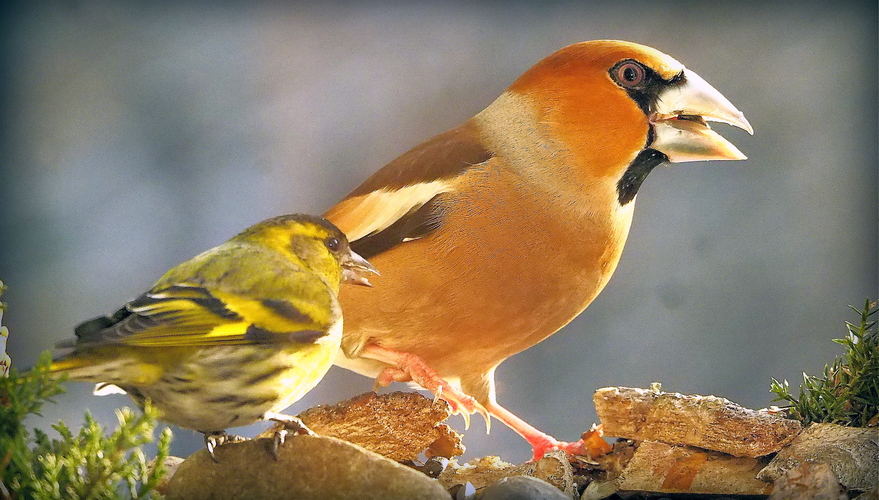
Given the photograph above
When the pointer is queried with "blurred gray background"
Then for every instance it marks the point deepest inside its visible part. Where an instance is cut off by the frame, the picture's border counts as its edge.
(136, 135)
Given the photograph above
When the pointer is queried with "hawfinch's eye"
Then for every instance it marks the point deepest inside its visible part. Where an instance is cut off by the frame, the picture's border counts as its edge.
(629, 74)
(333, 243)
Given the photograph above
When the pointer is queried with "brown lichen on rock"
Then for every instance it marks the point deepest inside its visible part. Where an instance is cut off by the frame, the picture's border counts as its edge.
(662, 468)
(554, 468)
(851, 452)
(306, 467)
(399, 425)
(706, 422)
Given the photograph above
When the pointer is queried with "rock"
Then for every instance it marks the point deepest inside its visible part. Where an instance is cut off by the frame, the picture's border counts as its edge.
(869, 495)
(171, 464)
(851, 452)
(599, 490)
(662, 468)
(399, 425)
(808, 482)
(522, 488)
(594, 443)
(306, 467)
(614, 462)
(433, 467)
(553, 468)
(449, 443)
(706, 422)
(464, 491)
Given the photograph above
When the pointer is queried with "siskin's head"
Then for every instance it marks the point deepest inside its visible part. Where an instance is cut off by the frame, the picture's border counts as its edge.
(314, 242)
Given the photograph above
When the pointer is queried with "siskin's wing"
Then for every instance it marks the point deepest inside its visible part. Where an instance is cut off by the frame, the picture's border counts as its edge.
(193, 315)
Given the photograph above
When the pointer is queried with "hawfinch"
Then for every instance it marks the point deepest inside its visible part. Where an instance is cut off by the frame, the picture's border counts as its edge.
(495, 234)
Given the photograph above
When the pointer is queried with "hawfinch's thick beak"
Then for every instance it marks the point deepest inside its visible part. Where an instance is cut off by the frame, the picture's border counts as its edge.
(680, 122)
(354, 269)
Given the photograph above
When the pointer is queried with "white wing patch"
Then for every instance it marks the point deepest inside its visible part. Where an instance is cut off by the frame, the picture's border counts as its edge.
(370, 213)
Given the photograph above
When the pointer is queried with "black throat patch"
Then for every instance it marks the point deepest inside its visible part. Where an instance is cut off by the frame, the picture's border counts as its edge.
(643, 164)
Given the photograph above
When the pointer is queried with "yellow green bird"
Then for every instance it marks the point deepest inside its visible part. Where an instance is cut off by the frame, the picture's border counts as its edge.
(231, 336)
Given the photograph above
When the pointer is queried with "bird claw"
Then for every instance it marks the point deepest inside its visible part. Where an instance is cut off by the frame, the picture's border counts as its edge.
(438, 394)
(214, 439)
(407, 367)
(290, 425)
(587, 448)
(466, 417)
(463, 405)
(279, 438)
(542, 444)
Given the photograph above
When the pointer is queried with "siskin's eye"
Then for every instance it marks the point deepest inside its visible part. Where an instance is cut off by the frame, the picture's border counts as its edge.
(629, 74)
(332, 243)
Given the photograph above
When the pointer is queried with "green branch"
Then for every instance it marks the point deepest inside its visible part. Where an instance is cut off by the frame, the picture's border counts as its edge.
(87, 464)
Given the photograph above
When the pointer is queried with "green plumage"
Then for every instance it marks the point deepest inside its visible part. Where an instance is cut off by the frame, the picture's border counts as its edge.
(240, 330)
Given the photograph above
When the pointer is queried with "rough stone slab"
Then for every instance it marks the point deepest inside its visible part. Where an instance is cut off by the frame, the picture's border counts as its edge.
(662, 468)
(706, 422)
(554, 468)
(399, 425)
(306, 467)
(808, 482)
(851, 452)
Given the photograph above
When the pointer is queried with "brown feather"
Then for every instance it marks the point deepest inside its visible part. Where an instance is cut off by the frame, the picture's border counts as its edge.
(445, 156)
(389, 207)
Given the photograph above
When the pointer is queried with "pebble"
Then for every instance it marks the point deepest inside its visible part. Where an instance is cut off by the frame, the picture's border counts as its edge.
(522, 488)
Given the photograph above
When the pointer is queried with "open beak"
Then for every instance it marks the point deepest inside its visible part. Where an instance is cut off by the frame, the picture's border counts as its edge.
(680, 122)
(355, 268)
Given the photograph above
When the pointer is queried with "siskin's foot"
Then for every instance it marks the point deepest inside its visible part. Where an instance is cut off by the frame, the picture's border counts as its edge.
(291, 424)
(213, 439)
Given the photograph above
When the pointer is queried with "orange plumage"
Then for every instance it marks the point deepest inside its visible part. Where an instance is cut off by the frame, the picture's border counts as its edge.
(494, 235)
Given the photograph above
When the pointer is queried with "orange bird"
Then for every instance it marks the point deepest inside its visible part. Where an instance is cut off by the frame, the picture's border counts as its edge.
(495, 234)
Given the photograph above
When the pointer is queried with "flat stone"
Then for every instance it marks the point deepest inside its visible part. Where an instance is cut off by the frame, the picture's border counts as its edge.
(554, 468)
(851, 452)
(706, 422)
(399, 425)
(808, 482)
(306, 467)
(662, 468)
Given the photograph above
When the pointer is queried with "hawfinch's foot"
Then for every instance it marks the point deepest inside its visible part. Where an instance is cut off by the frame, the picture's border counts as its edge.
(407, 367)
(591, 445)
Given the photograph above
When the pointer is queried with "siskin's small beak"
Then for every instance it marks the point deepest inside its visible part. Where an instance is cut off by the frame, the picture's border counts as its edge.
(680, 122)
(354, 269)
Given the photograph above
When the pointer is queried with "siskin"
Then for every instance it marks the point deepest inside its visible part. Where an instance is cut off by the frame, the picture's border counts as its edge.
(231, 336)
